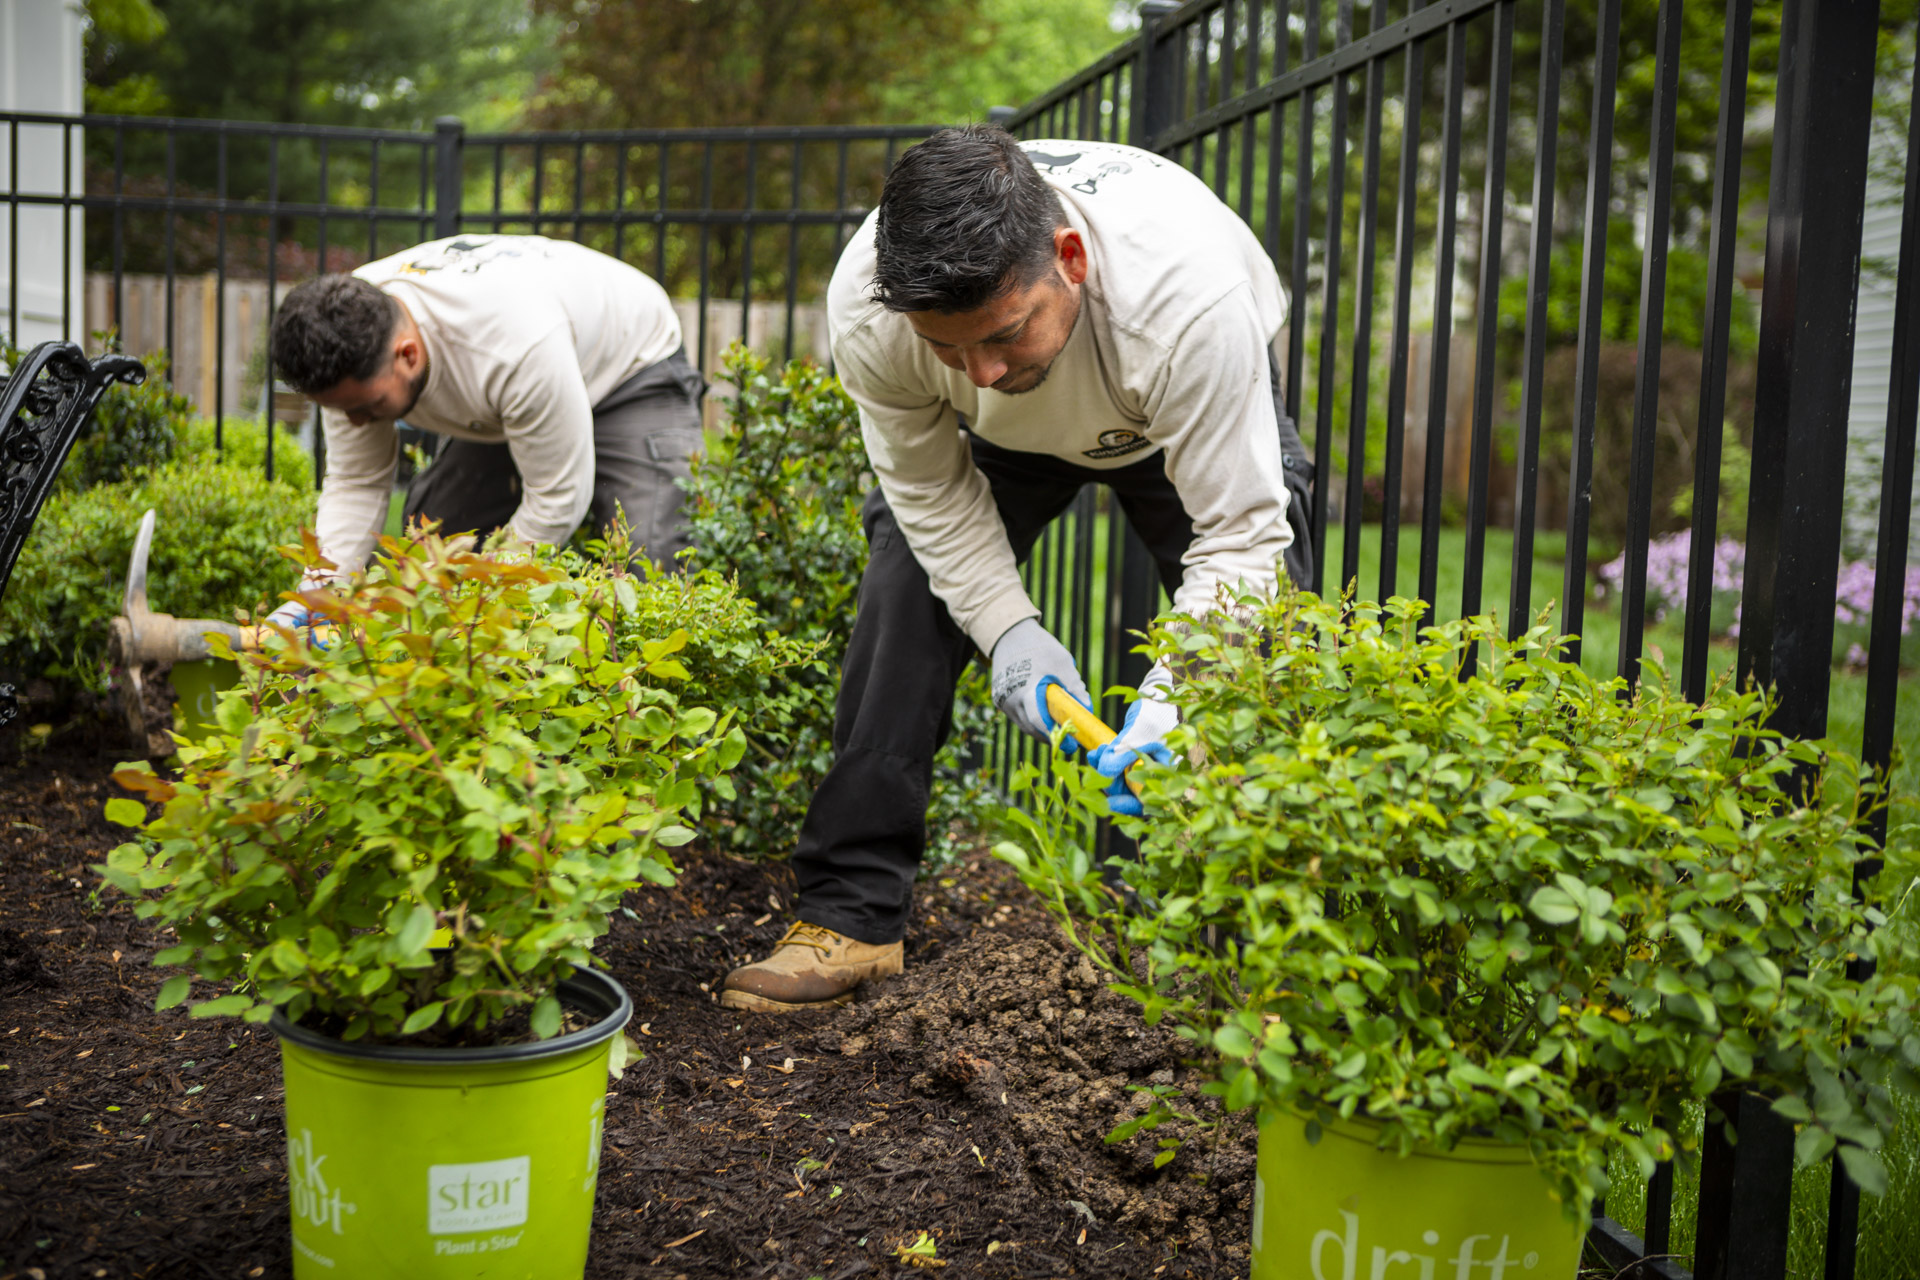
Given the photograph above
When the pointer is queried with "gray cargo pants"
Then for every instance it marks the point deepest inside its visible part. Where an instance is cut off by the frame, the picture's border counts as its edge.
(645, 433)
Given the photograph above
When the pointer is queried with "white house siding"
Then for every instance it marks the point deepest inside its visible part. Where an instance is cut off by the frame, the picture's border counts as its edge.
(1872, 376)
(41, 70)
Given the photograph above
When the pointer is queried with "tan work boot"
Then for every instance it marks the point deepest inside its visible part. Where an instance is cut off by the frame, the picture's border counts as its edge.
(811, 968)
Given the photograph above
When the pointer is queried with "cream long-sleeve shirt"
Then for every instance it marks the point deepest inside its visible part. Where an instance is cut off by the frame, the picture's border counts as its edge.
(524, 336)
(1169, 353)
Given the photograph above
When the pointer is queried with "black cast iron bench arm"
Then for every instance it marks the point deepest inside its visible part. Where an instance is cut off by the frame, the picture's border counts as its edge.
(44, 405)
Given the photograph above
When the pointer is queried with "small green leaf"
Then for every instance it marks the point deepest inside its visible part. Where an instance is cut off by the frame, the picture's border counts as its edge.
(422, 1018)
(1811, 1144)
(221, 1007)
(414, 934)
(1553, 906)
(1867, 1169)
(1794, 1108)
(546, 1017)
(127, 813)
(1231, 1041)
(1737, 1061)
(695, 722)
(173, 991)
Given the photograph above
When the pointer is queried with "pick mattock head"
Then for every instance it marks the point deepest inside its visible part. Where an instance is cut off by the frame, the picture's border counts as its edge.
(141, 636)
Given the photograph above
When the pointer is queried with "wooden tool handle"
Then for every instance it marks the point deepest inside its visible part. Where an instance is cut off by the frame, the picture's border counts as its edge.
(1088, 728)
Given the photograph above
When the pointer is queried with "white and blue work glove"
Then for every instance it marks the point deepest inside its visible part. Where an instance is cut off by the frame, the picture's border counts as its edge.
(1025, 660)
(1142, 733)
(295, 614)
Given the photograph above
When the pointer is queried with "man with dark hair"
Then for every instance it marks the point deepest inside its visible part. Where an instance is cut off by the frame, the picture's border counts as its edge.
(555, 375)
(1014, 321)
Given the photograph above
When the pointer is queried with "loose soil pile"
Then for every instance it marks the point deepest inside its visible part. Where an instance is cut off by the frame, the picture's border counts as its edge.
(967, 1099)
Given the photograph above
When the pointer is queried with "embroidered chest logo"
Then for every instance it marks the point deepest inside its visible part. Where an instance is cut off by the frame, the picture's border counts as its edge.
(1117, 444)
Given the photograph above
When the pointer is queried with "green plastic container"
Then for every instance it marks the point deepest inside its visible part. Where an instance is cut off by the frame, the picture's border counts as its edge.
(1341, 1209)
(197, 684)
(449, 1164)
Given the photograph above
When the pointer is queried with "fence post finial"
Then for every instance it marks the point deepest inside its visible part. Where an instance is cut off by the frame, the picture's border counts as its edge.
(1154, 74)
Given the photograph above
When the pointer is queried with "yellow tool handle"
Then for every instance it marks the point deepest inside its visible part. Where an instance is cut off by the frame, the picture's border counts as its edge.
(1089, 728)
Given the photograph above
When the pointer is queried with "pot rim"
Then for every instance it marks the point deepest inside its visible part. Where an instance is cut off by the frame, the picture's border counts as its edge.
(585, 989)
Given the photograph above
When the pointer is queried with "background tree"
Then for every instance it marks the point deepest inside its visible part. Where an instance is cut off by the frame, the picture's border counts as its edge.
(671, 63)
(315, 61)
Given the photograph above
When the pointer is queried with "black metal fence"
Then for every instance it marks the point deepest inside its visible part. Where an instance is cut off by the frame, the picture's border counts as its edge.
(1277, 104)
(1502, 386)
(745, 224)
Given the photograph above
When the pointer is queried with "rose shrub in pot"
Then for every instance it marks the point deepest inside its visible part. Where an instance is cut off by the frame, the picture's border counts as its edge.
(1434, 925)
(398, 847)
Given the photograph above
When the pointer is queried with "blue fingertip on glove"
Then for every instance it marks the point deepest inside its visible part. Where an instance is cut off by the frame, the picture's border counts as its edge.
(1122, 801)
(1112, 760)
(1069, 744)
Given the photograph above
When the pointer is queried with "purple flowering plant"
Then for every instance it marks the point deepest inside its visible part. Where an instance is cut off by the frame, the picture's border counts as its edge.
(1667, 559)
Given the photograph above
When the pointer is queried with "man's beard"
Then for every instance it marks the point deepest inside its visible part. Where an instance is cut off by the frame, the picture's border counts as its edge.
(1046, 368)
(414, 389)
(1020, 391)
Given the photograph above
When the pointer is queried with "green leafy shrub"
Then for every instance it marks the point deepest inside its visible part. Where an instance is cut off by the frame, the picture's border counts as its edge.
(475, 752)
(133, 430)
(243, 444)
(215, 535)
(1520, 904)
(731, 657)
(775, 502)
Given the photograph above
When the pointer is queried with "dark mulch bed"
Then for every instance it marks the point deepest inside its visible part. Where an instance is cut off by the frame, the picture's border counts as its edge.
(967, 1099)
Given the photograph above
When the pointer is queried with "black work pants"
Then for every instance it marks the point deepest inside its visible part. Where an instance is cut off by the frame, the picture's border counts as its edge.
(866, 828)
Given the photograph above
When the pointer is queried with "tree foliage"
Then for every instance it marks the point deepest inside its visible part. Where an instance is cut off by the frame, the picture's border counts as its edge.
(309, 61)
(668, 63)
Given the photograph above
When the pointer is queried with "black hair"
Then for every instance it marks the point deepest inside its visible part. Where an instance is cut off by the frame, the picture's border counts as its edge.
(330, 329)
(964, 218)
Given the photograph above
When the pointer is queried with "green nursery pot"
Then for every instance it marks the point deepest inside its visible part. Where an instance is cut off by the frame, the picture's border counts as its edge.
(1341, 1209)
(197, 685)
(449, 1164)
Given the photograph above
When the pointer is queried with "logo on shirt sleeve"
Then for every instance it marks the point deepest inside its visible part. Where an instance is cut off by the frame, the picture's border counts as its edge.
(1118, 443)
(1091, 183)
(1050, 162)
(1093, 165)
(465, 255)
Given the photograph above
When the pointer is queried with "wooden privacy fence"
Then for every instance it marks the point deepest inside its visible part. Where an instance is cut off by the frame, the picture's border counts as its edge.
(213, 333)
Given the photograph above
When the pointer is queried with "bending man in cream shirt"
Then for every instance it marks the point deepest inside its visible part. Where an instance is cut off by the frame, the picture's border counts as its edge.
(552, 375)
(1017, 320)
